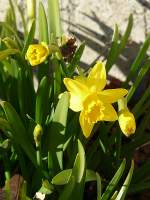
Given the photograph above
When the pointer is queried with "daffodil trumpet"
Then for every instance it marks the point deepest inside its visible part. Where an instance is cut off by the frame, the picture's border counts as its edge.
(88, 97)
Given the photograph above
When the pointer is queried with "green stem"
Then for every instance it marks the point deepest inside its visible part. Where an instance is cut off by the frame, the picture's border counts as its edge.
(38, 155)
(50, 163)
(118, 146)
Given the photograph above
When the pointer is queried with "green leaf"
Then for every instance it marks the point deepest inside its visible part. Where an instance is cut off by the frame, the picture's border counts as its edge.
(138, 61)
(13, 15)
(113, 183)
(41, 109)
(76, 59)
(18, 131)
(126, 35)
(138, 80)
(24, 24)
(4, 125)
(54, 21)
(23, 192)
(5, 53)
(99, 187)
(43, 27)
(61, 112)
(117, 47)
(46, 188)
(29, 39)
(63, 177)
(5, 144)
(56, 132)
(79, 165)
(13, 32)
(123, 191)
(67, 192)
(75, 187)
(113, 50)
(139, 105)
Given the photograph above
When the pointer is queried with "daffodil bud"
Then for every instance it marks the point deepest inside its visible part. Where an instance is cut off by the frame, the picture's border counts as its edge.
(126, 118)
(127, 122)
(37, 53)
(37, 133)
(10, 43)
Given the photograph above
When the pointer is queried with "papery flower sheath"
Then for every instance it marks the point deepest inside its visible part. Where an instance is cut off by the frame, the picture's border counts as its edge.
(37, 53)
(87, 95)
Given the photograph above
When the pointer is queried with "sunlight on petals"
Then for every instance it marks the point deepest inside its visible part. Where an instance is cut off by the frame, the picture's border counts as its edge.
(109, 113)
(112, 95)
(97, 77)
(85, 125)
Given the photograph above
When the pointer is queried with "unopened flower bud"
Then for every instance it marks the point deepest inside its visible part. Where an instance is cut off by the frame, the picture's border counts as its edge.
(37, 53)
(127, 122)
(38, 132)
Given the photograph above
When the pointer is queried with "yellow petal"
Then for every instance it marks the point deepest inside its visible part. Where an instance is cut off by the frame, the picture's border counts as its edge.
(76, 103)
(97, 77)
(85, 126)
(37, 53)
(127, 122)
(78, 93)
(112, 95)
(109, 113)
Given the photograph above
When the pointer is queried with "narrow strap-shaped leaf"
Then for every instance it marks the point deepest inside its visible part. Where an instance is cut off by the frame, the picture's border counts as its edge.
(18, 130)
(11, 30)
(31, 11)
(13, 14)
(41, 109)
(126, 35)
(138, 80)
(136, 109)
(29, 39)
(43, 26)
(76, 59)
(54, 22)
(67, 192)
(113, 183)
(123, 191)
(5, 53)
(79, 172)
(137, 62)
(24, 24)
(99, 187)
(79, 165)
(113, 50)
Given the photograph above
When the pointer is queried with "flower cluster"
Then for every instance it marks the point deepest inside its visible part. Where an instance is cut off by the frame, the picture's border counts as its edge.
(87, 95)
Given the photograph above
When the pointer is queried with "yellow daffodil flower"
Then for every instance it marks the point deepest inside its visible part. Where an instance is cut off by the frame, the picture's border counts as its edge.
(87, 95)
(127, 122)
(37, 53)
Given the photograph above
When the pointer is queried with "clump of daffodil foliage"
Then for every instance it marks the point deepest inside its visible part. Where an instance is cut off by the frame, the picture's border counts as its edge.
(61, 128)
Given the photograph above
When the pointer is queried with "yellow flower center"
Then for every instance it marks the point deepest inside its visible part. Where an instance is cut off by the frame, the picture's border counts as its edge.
(129, 126)
(37, 53)
(93, 108)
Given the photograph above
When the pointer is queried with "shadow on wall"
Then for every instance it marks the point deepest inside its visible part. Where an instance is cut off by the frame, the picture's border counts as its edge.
(101, 42)
(144, 3)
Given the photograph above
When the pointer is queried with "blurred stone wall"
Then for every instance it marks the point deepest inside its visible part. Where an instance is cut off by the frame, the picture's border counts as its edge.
(93, 21)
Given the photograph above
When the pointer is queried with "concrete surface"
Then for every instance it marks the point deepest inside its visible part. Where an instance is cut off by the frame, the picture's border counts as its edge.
(93, 21)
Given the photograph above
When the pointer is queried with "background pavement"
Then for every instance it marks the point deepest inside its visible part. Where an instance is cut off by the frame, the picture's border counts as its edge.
(93, 21)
